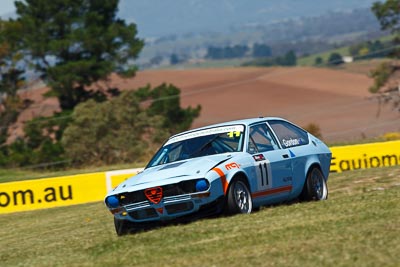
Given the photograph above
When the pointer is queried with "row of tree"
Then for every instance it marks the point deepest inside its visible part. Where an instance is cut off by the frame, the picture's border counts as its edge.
(239, 51)
(370, 49)
(289, 59)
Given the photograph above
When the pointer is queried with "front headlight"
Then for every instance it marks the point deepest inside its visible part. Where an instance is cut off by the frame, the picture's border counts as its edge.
(202, 185)
(112, 202)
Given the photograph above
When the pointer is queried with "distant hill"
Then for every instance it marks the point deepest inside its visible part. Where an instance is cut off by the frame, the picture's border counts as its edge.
(305, 35)
(186, 28)
(157, 18)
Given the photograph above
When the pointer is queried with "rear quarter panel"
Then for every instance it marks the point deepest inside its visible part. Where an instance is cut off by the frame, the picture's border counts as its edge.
(314, 153)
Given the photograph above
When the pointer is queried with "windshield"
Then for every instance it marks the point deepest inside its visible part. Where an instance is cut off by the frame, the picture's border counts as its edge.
(200, 143)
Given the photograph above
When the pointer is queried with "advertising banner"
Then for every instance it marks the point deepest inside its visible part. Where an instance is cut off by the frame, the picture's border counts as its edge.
(59, 191)
(51, 192)
(365, 156)
(84, 188)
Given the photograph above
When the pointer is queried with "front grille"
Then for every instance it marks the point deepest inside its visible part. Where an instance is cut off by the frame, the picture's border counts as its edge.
(143, 214)
(132, 197)
(181, 188)
(180, 207)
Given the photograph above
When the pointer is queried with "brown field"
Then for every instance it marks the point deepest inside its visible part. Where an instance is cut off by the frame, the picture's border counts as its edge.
(336, 100)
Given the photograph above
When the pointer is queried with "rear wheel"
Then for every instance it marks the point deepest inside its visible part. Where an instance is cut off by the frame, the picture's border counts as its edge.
(239, 198)
(315, 187)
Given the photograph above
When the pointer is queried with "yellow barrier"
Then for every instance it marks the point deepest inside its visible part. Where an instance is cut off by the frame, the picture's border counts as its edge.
(365, 156)
(60, 191)
(84, 188)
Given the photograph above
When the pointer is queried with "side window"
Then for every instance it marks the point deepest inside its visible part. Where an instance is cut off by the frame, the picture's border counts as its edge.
(260, 139)
(288, 134)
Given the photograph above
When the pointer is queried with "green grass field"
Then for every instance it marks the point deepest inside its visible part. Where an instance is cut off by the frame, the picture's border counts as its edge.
(359, 225)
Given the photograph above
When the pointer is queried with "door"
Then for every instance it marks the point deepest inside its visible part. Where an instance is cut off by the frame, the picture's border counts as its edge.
(272, 165)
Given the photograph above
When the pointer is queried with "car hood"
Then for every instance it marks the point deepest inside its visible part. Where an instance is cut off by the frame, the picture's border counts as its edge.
(172, 173)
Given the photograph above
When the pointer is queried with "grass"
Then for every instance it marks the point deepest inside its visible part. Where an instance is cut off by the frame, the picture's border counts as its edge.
(310, 60)
(344, 51)
(358, 226)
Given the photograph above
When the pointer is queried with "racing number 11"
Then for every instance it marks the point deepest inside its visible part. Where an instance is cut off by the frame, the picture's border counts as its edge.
(264, 174)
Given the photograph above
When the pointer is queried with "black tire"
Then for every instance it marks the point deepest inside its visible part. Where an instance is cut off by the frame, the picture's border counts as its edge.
(315, 187)
(238, 198)
(121, 227)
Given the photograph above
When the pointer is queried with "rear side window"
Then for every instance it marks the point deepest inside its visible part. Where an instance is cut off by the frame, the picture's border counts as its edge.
(289, 135)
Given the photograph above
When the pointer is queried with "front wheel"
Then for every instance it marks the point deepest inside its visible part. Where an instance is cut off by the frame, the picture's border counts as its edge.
(239, 198)
(121, 227)
(315, 187)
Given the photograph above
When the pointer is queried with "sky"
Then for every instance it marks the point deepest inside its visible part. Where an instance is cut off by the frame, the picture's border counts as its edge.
(6, 6)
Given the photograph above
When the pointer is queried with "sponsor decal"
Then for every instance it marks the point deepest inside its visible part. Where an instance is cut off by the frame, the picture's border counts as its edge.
(347, 158)
(154, 194)
(234, 129)
(232, 166)
(234, 134)
(291, 142)
(259, 157)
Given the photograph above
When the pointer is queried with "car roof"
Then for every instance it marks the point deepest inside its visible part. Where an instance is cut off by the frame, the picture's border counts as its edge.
(245, 122)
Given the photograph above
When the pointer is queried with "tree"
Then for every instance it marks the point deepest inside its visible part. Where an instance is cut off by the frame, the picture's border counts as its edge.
(107, 133)
(126, 129)
(386, 85)
(388, 15)
(156, 60)
(11, 78)
(370, 49)
(165, 101)
(174, 59)
(314, 129)
(75, 43)
(261, 50)
(290, 58)
(318, 61)
(236, 51)
(335, 59)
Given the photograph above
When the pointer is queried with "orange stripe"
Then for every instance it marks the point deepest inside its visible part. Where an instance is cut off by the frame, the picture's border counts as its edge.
(272, 191)
(222, 177)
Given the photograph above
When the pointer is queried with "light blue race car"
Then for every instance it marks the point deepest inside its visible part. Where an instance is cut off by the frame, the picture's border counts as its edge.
(232, 167)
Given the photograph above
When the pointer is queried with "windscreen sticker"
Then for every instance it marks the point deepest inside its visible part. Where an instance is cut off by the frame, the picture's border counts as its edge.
(234, 134)
(205, 132)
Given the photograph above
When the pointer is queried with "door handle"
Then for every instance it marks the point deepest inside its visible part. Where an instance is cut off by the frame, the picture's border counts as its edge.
(286, 156)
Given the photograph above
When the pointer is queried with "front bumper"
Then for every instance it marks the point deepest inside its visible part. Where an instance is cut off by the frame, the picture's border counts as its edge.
(172, 209)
